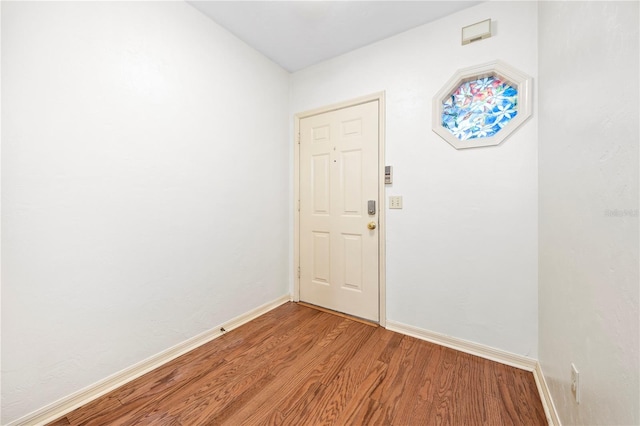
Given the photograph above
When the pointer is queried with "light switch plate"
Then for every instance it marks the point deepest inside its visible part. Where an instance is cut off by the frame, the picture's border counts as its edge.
(395, 202)
(575, 382)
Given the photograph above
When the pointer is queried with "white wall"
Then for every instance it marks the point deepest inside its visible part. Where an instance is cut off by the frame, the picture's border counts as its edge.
(0, 208)
(138, 137)
(462, 254)
(588, 208)
(145, 153)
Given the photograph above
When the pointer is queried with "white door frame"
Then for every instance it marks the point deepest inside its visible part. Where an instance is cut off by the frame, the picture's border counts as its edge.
(382, 230)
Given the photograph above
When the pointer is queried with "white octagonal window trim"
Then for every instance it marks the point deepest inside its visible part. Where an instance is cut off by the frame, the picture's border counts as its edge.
(482, 105)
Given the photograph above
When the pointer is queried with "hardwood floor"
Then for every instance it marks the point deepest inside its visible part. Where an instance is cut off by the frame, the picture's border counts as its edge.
(298, 366)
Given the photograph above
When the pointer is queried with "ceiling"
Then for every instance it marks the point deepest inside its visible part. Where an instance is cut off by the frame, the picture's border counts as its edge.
(297, 34)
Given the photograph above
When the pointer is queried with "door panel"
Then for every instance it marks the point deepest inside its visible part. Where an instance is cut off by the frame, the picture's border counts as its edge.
(352, 260)
(321, 263)
(320, 185)
(338, 176)
(351, 183)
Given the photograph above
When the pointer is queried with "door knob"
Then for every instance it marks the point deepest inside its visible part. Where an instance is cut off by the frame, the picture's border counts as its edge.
(371, 225)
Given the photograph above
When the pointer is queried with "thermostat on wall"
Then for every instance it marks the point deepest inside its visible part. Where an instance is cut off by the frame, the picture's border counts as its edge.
(388, 174)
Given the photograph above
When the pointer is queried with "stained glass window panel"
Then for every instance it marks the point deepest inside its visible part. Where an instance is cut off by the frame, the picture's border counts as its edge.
(479, 108)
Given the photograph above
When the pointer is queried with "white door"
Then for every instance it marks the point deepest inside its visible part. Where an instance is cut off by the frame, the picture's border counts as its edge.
(338, 235)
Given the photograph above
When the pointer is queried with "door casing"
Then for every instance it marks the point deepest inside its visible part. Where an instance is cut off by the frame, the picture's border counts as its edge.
(380, 97)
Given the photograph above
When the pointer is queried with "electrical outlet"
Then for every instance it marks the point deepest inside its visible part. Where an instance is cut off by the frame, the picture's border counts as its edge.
(575, 382)
(395, 202)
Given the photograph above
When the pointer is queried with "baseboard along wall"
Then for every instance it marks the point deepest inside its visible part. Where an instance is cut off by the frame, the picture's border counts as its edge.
(77, 399)
(65, 405)
(545, 395)
(487, 352)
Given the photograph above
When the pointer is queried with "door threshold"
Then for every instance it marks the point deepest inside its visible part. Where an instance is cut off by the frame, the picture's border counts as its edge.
(340, 314)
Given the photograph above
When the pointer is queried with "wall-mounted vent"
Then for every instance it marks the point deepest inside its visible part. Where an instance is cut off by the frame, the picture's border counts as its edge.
(476, 32)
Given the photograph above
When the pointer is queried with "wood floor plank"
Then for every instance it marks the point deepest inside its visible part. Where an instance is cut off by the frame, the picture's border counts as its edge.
(394, 387)
(494, 409)
(368, 373)
(360, 374)
(356, 402)
(299, 366)
(328, 361)
(490, 373)
(138, 396)
(524, 383)
(213, 390)
(508, 396)
(92, 413)
(292, 384)
(63, 421)
(335, 362)
(419, 379)
(281, 369)
(441, 409)
(428, 385)
(340, 314)
(135, 395)
(469, 398)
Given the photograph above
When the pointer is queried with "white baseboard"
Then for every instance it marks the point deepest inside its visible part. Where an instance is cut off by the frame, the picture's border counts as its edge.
(545, 395)
(77, 399)
(483, 351)
(487, 352)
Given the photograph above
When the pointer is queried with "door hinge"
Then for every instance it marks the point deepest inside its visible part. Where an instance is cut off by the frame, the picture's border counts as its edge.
(298, 205)
(298, 138)
(298, 272)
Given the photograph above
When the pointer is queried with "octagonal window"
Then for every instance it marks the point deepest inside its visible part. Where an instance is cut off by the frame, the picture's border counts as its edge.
(479, 108)
(482, 105)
